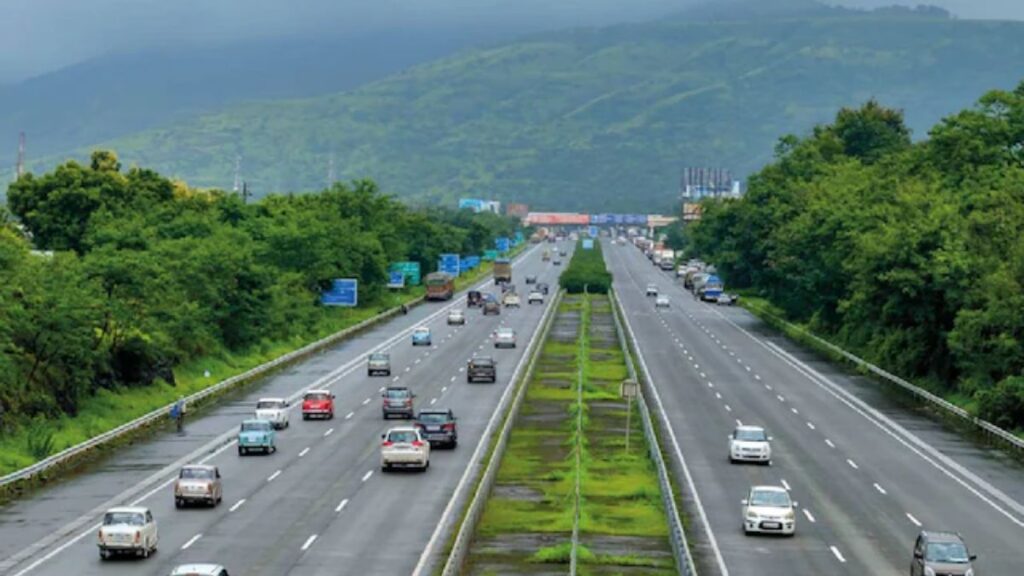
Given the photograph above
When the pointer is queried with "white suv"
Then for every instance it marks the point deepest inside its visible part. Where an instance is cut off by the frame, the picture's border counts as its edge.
(750, 443)
(404, 447)
(652, 289)
(768, 509)
(127, 530)
(200, 570)
(273, 410)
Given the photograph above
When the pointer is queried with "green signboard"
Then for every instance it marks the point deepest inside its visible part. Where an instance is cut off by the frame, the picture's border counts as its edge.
(490, 255)
(411, 271)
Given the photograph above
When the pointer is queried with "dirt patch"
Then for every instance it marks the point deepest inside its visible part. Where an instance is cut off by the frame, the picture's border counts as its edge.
(517, 492)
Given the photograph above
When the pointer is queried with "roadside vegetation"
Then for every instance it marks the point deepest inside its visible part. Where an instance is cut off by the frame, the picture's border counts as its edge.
(907, 253)
(528, 518)
(121, 290)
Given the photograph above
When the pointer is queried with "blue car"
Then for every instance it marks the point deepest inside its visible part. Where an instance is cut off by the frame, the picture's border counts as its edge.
(256, 435)
(421, 336)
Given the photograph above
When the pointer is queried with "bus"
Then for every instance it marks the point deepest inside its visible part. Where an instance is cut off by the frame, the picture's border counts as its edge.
(440, 286)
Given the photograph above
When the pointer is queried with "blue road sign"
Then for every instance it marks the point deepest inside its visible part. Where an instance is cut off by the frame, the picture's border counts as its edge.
(588, 244)
(396, 279)
(502, 244)
(450, 264)
(592, 231)
(343, 292)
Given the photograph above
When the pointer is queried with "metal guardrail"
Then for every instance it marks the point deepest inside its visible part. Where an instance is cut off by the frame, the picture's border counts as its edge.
(1010, 439)
(192, 400)
(460, 547)
(677, 536)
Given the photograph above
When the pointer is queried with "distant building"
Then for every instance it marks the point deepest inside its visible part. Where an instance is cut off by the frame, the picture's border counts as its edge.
(698, 183)
(478, 205)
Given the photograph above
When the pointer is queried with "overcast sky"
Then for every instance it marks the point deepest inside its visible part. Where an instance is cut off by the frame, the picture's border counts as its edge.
(41, 35)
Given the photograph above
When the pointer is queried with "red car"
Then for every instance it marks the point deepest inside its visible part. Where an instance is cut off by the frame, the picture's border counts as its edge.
(318, 404)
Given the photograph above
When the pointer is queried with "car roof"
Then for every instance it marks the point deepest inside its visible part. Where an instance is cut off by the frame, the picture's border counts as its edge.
(445, 411)
(750, 428)
(129, 509)
(255, 421)
(318, 391)
(403, 429)
(204, 569)
(270, 399)
(422, 329)
(768, 489)
(937, 536)
(504, 329)
(199, 466)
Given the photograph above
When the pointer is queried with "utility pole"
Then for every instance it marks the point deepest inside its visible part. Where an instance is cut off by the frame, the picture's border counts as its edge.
(238, 174)
(245, 192)
(331, 176)
(19, 169)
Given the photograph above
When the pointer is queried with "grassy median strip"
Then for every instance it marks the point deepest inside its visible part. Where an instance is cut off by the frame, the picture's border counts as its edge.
(529, 515)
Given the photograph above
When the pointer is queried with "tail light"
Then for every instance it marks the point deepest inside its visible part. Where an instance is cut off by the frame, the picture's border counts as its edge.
(450, 427)
(387, 443)
(417, 443)
(138, 536)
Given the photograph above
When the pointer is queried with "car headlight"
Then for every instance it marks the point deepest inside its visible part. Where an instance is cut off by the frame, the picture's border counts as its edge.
(790, 515)
(752, 516)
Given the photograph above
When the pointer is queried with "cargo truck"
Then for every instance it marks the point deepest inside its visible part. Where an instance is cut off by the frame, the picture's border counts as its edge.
(440, 286)
(502, 271)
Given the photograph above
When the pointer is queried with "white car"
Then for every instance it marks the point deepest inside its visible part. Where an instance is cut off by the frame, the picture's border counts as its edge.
(200, 570)
(769, 510)
(535, 296)
(273, 410)
(510, 300)
(751, 444)
(127, 530)
(504, 338)
(661, 302)
(404, 446)
(652, 289)
(456, 316)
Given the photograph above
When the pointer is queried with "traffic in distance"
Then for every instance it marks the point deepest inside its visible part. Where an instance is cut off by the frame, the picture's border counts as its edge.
(133, 531)
(769, 509)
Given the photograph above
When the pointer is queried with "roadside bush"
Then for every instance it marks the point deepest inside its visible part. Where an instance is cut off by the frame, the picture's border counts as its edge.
(587, 268)
(1003, 405)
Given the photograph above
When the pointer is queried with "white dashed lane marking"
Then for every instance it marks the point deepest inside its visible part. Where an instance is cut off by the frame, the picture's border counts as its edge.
(342, 505)
(273, 476)
(880, 489)
(838, 554)
(829, 442)
(237, 505)
(304, 452)
(367, 475)
(309, 542)
(852, 464)
(810, 518)
(328, 432)
(191, 541)
(914, 520)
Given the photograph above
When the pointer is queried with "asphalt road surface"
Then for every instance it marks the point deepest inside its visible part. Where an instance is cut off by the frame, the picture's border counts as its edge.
(868, 475)
(321, 504)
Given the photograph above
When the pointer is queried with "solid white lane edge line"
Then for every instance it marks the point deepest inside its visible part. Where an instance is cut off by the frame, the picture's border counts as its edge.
(367, 475)
(838, 554)
(274, 475)
(304, 452)
(191, 541)
(342, 505)
(237, 505)
(309, 542)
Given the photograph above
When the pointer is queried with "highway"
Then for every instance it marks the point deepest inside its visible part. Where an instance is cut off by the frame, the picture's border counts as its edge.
(321, 504)
(868, 474)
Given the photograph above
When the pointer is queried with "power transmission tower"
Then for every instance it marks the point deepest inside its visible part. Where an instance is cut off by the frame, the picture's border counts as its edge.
(19, 170)
(238, 174)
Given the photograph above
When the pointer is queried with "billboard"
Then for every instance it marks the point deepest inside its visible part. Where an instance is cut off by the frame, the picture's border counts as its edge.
(601, 218)
(657, 221)
(691, 211)
(343, 292)
(517, 210)
(558, 218)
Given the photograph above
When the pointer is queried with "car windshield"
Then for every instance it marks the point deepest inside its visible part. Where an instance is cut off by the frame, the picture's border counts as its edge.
(255, 426)
(769, 498)
(317, 396)
(433, 417)
(122, 518)
(196, 474)
(422, 331)
(947, 553)
(455, 313)
(751, 435)
(402, 436)
(269, 404)
(397, 393)
(378, 358)
(482, 361)
(505, 332)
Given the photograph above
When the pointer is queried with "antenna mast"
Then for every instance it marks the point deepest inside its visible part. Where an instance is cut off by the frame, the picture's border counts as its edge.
(20, 168)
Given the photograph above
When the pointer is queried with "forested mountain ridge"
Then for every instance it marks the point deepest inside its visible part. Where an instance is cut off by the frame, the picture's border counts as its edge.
(597, 119)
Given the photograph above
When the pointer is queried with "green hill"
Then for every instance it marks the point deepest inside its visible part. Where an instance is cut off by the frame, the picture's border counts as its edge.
(598, 119)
